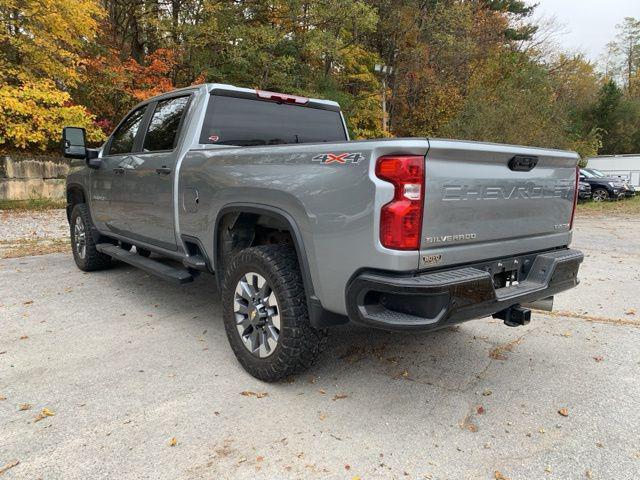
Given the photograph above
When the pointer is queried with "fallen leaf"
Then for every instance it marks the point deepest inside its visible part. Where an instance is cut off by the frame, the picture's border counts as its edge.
(598, 358)
(9, 466)
(24, 406)
(28, 302)
(480, 410)
(487, 392)
(24, 337)
(631, 311)
(259, 458)
(322, 391)
(567, 334)
(498, 353)
(499, 476)
(173, 442)
(2, 397)
(588, 474)
(347, 467)
(322, 416)
(340, 396)
(564, 412)
(248, 393)
(44, 413)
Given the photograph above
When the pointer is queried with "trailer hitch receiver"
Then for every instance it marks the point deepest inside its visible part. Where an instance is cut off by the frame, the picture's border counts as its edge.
(515, 316)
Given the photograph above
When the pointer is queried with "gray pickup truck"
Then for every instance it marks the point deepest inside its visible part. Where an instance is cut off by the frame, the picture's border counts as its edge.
(305, 229)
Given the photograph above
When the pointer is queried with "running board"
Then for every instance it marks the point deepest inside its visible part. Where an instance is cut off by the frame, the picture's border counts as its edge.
(195, 262)
(168, 272)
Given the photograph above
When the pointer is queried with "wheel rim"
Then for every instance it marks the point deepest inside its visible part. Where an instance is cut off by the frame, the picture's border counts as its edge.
(80, 238)
(257, 315)
(600, 195)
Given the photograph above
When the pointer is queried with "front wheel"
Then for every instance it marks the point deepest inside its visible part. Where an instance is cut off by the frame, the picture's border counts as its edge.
(600, 195)
(86, 256)
(265, 313)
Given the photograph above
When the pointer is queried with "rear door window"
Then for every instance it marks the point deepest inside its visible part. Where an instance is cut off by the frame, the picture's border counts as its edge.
(163, 128)
(125, 135)
(247, 122)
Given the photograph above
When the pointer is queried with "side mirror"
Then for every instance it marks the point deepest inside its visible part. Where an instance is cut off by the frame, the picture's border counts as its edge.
(73, 142)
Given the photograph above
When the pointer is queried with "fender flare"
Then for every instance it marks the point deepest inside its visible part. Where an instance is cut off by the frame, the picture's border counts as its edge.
(319, 317)
(74, 186)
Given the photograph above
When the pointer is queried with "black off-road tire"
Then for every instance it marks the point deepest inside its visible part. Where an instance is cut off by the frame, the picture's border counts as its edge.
(299, 344)
(92, 260)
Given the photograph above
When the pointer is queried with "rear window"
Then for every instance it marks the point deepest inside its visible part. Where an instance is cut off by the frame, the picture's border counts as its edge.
(247, 122)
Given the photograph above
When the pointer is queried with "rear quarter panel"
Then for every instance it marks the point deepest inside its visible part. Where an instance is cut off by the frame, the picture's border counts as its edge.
(335, 205)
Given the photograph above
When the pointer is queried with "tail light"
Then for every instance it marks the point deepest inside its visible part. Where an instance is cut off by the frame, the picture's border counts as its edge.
(575, 197)
(401, 219)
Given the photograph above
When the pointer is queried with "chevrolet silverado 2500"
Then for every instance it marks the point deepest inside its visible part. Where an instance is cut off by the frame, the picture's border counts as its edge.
(305, 229)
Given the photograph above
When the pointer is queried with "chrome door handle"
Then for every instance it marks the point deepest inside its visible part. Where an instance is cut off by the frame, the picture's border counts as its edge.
(118, 170)
(163, 171)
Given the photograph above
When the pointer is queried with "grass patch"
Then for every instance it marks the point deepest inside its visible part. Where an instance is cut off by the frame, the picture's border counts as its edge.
(33, 204)
(626, 207)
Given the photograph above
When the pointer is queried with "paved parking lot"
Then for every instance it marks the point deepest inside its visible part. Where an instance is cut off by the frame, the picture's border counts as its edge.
(101, 373)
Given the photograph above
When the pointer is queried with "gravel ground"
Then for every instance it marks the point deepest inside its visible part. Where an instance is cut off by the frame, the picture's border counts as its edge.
(33, 232)
(29, 225)
(126, 363)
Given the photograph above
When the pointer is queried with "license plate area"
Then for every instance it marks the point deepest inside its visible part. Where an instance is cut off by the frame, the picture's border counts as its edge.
(508, 272)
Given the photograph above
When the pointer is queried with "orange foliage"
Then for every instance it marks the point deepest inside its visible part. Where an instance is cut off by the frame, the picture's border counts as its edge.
(114, 85)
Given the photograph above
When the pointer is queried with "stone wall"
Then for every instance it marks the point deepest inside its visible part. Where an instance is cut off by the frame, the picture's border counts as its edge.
(32, 176)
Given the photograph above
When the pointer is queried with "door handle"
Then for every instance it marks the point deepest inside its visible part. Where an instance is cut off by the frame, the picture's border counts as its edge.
(163, 171)
(118, 170)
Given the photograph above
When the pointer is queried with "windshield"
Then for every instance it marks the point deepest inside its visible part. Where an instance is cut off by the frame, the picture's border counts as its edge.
(597, 173)
(587, 173)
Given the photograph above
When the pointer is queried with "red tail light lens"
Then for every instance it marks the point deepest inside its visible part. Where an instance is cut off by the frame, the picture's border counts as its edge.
(575, 197)
(401, 219)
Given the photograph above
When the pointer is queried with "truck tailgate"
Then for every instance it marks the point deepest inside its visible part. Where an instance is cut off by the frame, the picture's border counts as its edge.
(491, 199)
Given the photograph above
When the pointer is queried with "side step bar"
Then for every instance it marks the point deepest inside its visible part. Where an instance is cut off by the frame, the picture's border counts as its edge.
(168, 272)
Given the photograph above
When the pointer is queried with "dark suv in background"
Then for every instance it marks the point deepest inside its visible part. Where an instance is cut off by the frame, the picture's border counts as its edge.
(603, 187)
(584, 191)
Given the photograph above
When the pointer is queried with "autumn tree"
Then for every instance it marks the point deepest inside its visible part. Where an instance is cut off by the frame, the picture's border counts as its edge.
(40, 47)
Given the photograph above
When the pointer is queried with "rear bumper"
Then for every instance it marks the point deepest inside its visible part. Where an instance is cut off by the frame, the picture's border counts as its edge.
(429, 301)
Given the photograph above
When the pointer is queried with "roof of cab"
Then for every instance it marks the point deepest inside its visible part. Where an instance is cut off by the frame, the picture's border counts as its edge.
(232, 88)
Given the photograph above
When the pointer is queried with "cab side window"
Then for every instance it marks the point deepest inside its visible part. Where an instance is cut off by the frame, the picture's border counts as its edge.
(125, 135)
(163, 128)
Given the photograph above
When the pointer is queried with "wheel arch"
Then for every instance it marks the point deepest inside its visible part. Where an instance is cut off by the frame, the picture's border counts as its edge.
(76, 194)
(320, 318)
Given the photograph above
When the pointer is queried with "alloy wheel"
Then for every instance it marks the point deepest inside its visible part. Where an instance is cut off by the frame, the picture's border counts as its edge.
(600, 195)
(80, 238)
(257, 314)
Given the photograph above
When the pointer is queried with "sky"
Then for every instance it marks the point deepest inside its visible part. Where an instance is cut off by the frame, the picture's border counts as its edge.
(588, 24)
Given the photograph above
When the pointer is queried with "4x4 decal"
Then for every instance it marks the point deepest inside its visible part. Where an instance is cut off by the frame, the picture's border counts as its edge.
(328, 158)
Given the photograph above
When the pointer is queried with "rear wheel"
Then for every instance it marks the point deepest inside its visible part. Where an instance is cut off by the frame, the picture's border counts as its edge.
(86, 256)
(265, 313)
(600, 195)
